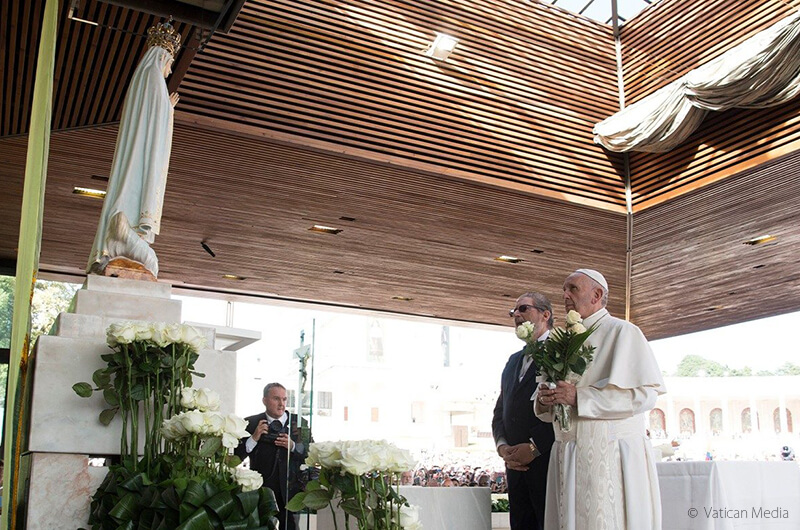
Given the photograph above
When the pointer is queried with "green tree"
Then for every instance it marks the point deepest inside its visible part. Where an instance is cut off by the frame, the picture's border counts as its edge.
(6, 309)
(788, 368)
(695, 366)
(49, 299)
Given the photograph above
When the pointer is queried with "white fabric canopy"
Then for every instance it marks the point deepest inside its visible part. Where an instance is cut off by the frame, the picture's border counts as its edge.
(761, 72)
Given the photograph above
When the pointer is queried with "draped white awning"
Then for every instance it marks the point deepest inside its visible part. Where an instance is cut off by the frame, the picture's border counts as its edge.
(761, 72)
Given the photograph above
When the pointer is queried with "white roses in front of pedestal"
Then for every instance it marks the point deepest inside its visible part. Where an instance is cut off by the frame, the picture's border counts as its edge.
(248, 479)
(199, 398)
(228, 428)
(158, 333)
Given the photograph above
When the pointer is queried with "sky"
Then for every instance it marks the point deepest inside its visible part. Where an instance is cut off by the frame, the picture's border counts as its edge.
(763, 344)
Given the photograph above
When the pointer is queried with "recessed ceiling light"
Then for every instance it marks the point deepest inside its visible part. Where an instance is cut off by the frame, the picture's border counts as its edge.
(89, 192)
(760, 240)
(233, 277)
(508, 259)
(325, 229)
(402, 298)
(442, 46)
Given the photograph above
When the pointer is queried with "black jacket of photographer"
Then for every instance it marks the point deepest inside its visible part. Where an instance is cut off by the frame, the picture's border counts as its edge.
(270, 460)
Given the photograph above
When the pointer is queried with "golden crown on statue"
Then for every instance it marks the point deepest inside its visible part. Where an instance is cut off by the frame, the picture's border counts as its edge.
(164, 35)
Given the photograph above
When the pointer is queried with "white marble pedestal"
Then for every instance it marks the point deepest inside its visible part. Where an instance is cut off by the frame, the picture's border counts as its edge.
(64, 428)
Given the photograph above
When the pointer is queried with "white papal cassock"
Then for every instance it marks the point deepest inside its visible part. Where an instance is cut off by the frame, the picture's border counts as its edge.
(602, 473)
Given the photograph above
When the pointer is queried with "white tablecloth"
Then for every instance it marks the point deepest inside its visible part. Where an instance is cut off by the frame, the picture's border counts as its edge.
(729, 495)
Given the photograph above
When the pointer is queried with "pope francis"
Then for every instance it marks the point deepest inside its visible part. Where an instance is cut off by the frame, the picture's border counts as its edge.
(602, 474)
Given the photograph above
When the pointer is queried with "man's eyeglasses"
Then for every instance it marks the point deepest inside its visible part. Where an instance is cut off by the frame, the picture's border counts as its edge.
(522, 309)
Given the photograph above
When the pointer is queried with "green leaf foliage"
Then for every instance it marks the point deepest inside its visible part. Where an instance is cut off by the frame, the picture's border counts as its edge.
(563, 353)
(84, 390)
(318, 499)
(107, 415)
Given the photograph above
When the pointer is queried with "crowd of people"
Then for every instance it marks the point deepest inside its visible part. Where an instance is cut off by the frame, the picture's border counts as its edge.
(458, 470)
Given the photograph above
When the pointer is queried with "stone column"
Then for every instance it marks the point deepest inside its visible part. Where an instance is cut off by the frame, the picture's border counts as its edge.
(754, 419)
(783, 414)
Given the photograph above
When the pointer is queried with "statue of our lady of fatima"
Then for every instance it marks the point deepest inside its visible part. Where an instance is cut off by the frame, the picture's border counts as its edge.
(131, 215)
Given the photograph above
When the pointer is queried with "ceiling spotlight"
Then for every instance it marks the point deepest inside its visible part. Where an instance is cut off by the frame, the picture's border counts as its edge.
(89, 192)
(233, 277)
(325, 229)
(508, 259)
(402, 298)
(442, 46)
(760, 240)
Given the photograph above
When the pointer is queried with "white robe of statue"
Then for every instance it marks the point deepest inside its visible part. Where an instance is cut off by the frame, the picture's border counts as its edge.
(602, 472)
(131, 215)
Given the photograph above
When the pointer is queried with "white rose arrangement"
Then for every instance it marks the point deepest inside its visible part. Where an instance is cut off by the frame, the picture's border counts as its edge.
(361, 477)
(186, 459)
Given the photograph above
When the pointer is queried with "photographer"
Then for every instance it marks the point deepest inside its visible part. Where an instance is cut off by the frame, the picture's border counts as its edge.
(270, 447)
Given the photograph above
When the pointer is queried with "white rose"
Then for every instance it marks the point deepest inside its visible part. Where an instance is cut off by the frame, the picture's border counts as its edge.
(356, 458)
(187, 398)
(122, 332)
(248, 479)
(143, 330)
(213, 423)
(193, 421)
(401, 460)
(159, 334)
(173, 333)
(573, 317)
(192, 337)
(173, 428)
(409, 516)
(525, 331)
(236, 426)
(229, 440)
(325, 454)
(577, 328)
(206, 399)
(381, 455)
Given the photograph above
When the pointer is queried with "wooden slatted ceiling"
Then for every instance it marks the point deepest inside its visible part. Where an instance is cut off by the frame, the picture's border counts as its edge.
(253, 201)
(668, 40)
(691, 268)
(92, 62)
(514, 104)
(672, 37)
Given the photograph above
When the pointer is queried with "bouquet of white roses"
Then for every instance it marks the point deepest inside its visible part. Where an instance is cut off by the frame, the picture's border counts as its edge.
(562, 357)
(185, 476)
(360, 474)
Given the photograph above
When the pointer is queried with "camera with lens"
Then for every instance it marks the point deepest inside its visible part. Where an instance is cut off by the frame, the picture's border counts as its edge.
(275, 428)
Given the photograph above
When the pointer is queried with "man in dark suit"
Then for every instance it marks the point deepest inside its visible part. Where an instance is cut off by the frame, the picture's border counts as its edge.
(521, 438)
(271, 446)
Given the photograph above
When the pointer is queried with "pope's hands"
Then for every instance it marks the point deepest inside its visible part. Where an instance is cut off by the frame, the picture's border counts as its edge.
(564, 393)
